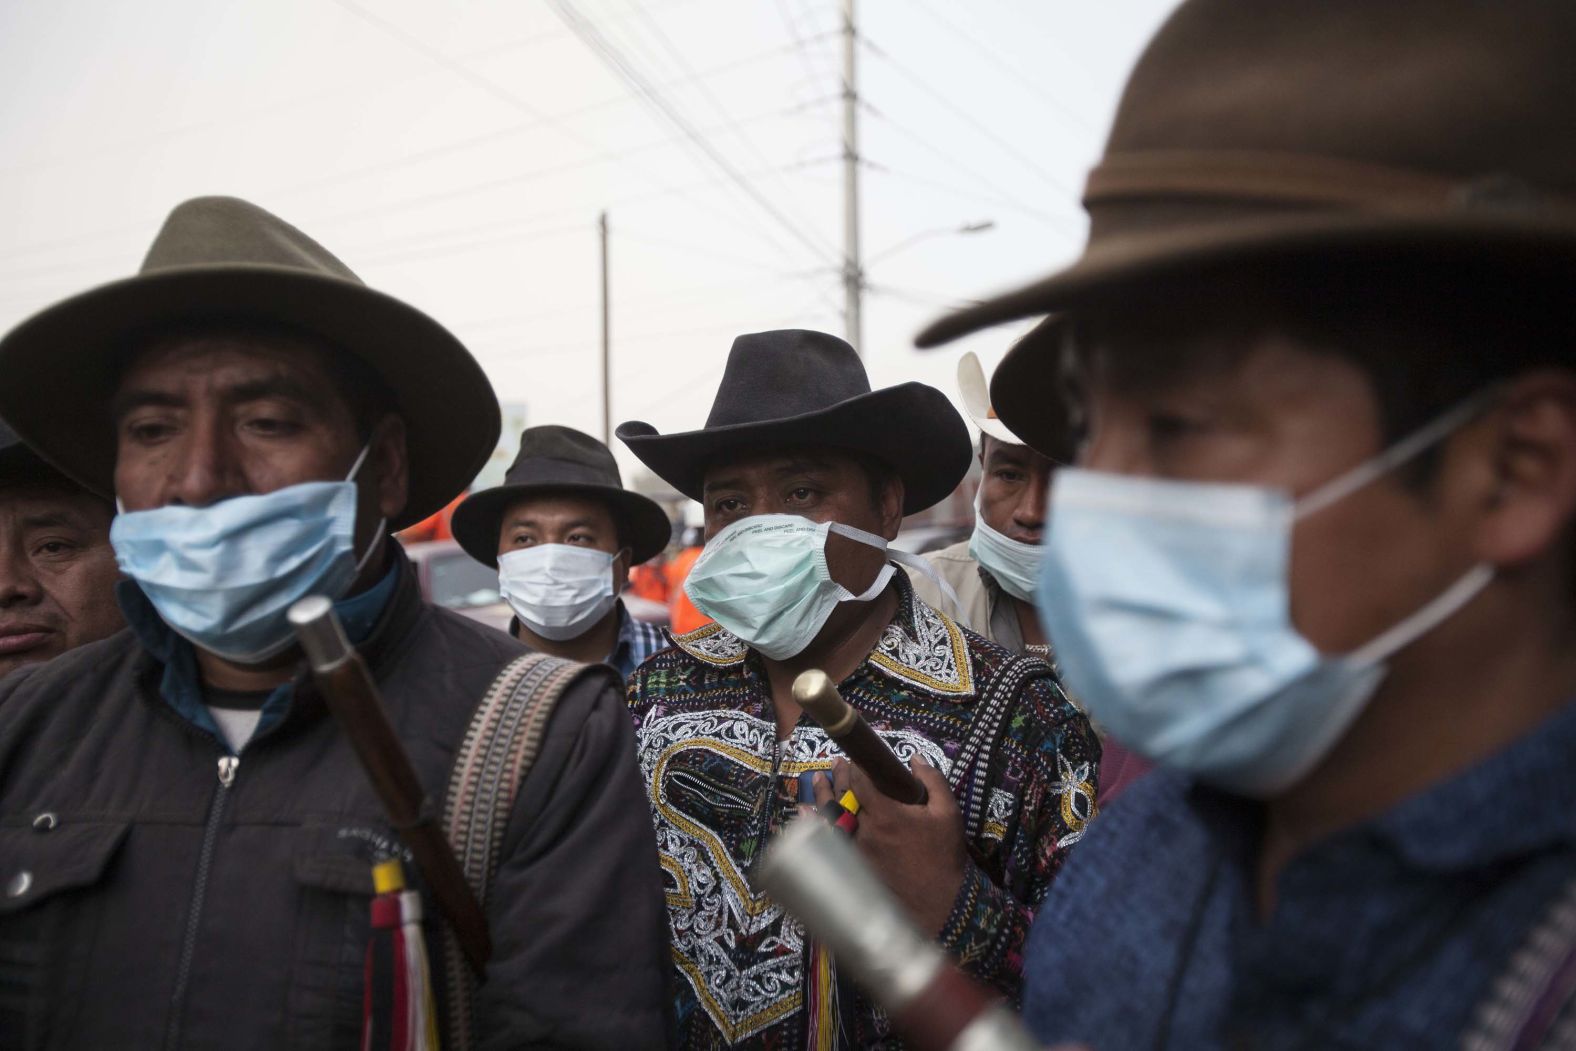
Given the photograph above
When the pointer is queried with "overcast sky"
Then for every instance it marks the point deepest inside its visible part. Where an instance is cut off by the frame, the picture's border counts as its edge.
(456, 154)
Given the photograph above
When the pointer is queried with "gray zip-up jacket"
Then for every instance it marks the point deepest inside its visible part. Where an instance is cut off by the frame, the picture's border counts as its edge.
(157, 892)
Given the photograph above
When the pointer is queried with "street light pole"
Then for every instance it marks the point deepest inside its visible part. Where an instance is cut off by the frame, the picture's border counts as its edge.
(607, 355)
(853, 272)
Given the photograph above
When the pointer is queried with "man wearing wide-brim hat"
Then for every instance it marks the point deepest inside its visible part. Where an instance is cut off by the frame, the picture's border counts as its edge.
(57, 572)
(805, 474)
(994, 570)
(1316, 557)
(563, 532)
(186, 836)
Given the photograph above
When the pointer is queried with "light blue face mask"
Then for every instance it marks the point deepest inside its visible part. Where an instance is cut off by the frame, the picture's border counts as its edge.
(1014, 564)
(223, 576)
(1168, 604)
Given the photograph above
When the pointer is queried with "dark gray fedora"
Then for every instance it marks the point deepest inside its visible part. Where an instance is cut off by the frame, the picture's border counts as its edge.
(552, 460)
(218, 259)
(794, 387)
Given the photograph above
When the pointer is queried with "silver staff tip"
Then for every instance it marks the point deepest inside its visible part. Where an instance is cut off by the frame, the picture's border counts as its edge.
(811, 685)
(319, 632)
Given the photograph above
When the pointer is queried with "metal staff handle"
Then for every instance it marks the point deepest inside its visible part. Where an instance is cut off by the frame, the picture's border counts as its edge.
(352, 696)
(816, 694)
(816, 873)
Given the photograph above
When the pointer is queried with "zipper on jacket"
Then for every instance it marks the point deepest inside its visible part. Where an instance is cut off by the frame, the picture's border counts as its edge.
(228, 765)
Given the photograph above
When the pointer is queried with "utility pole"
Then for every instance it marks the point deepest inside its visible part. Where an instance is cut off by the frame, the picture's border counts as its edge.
(607, 356)
(853, 272)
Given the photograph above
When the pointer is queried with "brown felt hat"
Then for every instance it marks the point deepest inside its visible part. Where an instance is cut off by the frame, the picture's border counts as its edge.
(1252, 132)
(218, 259)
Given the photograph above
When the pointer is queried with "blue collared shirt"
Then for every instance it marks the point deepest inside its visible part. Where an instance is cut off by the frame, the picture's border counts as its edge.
(637, 640)
(181, 688)
(1386, 935)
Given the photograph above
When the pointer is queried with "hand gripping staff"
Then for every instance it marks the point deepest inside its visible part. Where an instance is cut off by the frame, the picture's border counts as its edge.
(352, 696)
(817, 695)
(817, 874)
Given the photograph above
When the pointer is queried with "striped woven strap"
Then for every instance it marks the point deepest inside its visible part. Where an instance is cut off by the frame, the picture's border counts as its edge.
(499, 749)
(1532, 1004)
(971, 769)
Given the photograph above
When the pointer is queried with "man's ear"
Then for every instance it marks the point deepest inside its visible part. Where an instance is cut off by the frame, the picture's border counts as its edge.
(390, 463)
(1527, 475)
(622, 564)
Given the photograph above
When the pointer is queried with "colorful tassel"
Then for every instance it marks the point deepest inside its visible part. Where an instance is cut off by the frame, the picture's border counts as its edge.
(398, 1013)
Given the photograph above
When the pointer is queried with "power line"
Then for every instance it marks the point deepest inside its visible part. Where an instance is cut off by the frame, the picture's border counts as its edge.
(1006, 145)
(994, 58)
(485, 83)
(620, 65)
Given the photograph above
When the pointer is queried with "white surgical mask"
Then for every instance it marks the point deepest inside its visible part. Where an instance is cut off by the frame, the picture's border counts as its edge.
(225, 575)
(557, 590)
(1168, 603)
(1014, 564)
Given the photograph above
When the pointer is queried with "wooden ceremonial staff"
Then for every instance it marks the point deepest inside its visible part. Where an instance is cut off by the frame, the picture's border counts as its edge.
(817, 695)
(352, 696)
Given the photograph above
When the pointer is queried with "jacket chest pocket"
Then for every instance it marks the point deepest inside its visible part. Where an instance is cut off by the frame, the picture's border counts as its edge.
(51, 877)
(333, 874)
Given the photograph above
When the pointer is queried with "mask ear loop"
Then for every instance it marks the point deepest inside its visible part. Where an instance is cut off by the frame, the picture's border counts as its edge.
(902, 558)
(377, 532)
(1408, 448)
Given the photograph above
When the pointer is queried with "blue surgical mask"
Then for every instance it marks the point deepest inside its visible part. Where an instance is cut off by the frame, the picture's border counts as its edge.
(1168, 603)
(223, 576)
(1014, 564)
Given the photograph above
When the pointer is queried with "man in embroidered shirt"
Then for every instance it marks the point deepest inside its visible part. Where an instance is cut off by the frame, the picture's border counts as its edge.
(804, 473)
(563, 532)
(1316, 559)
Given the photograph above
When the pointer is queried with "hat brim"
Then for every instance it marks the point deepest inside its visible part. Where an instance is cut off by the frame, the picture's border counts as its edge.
(60, 367)
(1522, 238)
(642, 523)
(911, 427)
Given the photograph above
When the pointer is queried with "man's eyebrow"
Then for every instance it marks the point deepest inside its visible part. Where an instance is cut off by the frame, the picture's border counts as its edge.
(274, 387)
(802, 465)
(252, 390)
(127, 400)
(52, 520)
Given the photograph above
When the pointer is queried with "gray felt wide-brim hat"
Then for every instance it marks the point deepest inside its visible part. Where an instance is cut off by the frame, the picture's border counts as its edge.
(218, 259)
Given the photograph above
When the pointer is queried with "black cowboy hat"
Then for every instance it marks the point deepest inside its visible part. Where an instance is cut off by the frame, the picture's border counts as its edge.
(556, 459)
(18, 463)
(1414, 132)
(799, 388)
(219, 258)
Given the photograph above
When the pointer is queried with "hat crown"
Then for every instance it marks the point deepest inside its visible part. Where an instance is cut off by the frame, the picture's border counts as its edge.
(208, 231)
(552, 454)
(784, 373)
(1477, 96)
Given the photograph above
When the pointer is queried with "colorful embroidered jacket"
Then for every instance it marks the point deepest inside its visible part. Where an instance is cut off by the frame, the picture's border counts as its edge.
(720, 783)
